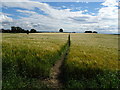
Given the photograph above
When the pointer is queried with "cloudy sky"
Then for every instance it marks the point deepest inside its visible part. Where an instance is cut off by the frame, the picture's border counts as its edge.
(72, 16)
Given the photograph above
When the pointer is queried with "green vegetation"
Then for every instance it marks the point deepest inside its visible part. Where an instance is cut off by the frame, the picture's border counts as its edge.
(92, 62)
(28, 58)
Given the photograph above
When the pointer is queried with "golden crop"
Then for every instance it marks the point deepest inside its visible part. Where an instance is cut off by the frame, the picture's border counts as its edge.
(94, 51)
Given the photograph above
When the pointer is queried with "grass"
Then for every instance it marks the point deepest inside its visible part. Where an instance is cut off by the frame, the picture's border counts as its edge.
(92, 62)
(28, 57)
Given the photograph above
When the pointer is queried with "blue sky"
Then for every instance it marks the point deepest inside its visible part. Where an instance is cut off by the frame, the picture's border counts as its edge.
(51, 16)
(92, 7)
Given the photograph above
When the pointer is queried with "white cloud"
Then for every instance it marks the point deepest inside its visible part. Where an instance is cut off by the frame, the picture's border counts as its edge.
(67, 19)
(26, 12)
(92, 13)
(44, 7)
(108, 15)
(5, 18)
(110, 3)
(56, 17)
(63, 6)
(15, 0)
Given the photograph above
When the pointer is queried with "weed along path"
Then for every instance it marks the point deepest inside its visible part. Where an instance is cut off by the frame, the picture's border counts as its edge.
(54, 81)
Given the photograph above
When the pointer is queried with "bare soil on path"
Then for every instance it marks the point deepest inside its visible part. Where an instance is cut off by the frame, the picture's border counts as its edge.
(55, 76)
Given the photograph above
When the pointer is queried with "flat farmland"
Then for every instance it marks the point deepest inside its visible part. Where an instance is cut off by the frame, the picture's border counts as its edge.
(92, 61)
(29, 56)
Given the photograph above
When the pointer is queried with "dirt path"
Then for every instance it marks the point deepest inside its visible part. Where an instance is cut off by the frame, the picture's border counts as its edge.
(54, 80)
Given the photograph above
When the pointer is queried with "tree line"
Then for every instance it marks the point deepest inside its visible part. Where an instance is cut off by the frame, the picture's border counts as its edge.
(21, 30)
(17, 30)
(90, 32)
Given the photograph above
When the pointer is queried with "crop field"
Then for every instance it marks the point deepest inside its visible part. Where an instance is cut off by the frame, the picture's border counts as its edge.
(91, 62)
(29, 56)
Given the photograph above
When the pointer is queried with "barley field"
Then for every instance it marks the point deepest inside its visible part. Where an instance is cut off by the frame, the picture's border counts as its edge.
(29, 56)
(92, 61)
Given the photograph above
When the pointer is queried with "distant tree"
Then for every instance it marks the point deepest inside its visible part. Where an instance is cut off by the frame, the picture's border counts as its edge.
(13, 29)
(27, 31)
(61, 30)
(19, 30)
(73, 32)
(88, 31)
(2, 30)
(94, 32)
(33, 31)
(23, 31)
(5, 31)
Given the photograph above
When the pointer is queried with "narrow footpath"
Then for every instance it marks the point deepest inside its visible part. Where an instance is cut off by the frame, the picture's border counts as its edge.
(55, 76)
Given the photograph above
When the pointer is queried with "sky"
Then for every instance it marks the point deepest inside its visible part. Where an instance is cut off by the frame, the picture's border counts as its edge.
(72, 16)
